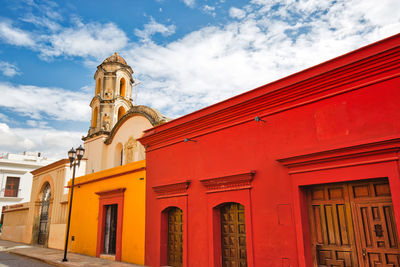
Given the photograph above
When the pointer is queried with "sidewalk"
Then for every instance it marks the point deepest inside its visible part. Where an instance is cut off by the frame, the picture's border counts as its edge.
(54, 256)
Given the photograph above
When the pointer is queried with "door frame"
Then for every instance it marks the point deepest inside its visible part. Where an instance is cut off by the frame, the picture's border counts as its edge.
(109, 197)
(376, 159)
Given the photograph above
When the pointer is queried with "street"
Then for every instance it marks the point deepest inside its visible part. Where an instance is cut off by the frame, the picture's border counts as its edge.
(11, 260)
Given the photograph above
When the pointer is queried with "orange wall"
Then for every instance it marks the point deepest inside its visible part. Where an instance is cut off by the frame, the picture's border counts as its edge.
(85, 210)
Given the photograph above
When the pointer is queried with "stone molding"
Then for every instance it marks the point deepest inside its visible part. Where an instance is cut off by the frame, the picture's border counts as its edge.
(374, 151)
(172, 190)
(228, 183)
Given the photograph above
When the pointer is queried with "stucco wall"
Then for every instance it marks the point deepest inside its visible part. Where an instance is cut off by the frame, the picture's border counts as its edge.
(14, 224)
(95, 151)
(57, 176)
(133, 127)
(84, 221)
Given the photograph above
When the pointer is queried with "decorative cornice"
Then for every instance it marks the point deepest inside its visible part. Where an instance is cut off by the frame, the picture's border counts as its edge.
(367, 153)
(228, 183)
(366, 66)
(59, 163)
(95, 134)
(172, 190)
(105, 177)
(111, 193)
(94, 99)
(15, 207)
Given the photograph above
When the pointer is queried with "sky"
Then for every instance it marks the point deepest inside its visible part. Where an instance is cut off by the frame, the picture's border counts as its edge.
(186, 54)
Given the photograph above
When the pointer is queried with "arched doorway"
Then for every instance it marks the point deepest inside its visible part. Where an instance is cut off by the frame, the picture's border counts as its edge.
(175, 237)
(44, 213)
(233, 235)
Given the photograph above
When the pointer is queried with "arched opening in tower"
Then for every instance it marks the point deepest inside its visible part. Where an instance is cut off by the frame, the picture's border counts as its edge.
(122, 85)
(121, 112)
(94, 117)
(98, 84)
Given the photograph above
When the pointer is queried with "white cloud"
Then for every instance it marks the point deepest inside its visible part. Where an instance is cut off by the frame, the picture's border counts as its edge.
(11, 142)
(85, 40)
(37, 123)
(9, 69)
(237, 13)
(42, 22)
(4, 118)
(15, 36)
(189, 3)
(152, 28)
(45, 103)
(50, 142)
(209, 10)
(273, 40)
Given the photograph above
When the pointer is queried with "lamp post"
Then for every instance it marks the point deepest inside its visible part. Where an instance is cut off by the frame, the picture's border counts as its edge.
(74, 159)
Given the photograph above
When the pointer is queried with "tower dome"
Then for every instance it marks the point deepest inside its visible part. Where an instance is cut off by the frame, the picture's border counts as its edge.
(115, 58)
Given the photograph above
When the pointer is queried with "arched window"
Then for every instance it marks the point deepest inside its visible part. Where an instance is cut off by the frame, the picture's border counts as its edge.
(119, 155)
(121, 112)
(122, 86)
(98, 85)
(94, 117)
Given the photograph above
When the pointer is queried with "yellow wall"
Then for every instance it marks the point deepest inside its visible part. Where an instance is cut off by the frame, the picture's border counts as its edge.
(85, 210)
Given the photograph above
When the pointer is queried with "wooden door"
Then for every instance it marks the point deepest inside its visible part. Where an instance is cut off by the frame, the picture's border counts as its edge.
(377, 237)
(233, 235)
(353, 224)
(175, 238)
(331, 225)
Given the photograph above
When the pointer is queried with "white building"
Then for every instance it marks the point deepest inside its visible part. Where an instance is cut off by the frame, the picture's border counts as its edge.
(15, 176)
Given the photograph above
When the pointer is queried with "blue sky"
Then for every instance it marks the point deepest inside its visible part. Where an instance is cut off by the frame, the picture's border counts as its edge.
(186, 54)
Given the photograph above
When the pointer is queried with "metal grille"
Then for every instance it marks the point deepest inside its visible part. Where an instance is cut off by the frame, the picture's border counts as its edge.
(44, 214)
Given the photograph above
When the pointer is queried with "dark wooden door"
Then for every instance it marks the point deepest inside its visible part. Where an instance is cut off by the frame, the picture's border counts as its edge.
(353, 224)
(331, 225)
(377, 237)
(233, 235)
(175, 238)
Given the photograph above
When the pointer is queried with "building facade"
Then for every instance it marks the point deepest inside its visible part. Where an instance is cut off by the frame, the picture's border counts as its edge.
(303, 171)
(110, 224)
(15, 176)
(42, 221)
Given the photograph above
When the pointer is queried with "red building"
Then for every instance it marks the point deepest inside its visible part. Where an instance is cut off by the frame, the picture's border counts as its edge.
(303, 171)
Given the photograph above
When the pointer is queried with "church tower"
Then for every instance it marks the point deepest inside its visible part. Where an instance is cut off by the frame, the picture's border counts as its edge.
(113, 94)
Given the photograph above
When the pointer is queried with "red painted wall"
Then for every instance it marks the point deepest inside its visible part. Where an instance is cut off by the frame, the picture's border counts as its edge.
(347, 102)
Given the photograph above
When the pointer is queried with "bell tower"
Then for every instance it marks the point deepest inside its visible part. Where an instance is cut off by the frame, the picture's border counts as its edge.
(113, 94)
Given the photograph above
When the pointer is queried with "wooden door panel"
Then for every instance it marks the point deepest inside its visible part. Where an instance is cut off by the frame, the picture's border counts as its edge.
(175, 238)
(331, 226)
(378, 234)
(353, 224)
(233, 235)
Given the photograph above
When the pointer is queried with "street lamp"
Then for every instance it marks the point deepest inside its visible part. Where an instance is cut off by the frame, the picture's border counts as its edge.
(74, 159)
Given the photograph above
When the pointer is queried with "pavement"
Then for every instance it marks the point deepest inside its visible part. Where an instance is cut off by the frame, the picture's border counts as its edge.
(54, 256)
